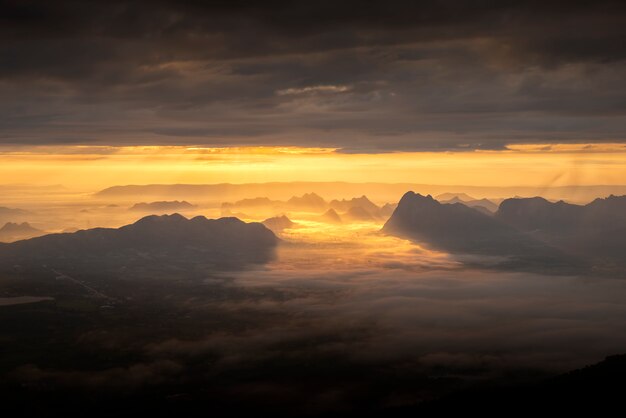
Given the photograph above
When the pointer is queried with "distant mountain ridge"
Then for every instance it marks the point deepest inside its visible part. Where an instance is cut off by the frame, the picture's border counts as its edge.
(162, 206)
(224, 242)
(306, 202)
(485, 204)
(381, 191)
(12, 231)
(363, 202)
(13, 214)
(358, 208)
(4, 211)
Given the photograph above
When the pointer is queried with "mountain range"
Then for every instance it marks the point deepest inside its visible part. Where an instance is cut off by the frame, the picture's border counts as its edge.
(224, 242)
(484, 205)
(596, 230)
(162, 206)
(355, 209)
(533, 229)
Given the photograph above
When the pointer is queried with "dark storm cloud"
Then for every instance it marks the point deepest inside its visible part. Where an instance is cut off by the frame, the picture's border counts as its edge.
(362, 76)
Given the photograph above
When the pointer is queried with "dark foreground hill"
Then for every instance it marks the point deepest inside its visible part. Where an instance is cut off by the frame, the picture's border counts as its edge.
(225, 242)
(597, 390)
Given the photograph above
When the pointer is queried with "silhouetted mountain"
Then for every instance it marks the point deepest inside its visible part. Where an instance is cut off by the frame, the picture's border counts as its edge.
(278, 223)
(4, 211)
(382, 191)
(457, 228)
(361, 202)
(225, 242)
(597, 229)
(387, 209)
(537, 213)
(331, 216)
(14, 231)
(13, 214)
(357, 213)
(163, 206)
(611, 209)
(256, 202)
(308, 201)
(462, 197)
(227, 213)
(486, 204)
(596, 389)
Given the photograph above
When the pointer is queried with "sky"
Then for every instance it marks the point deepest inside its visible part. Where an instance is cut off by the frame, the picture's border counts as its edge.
(89, 168)
(356, 78)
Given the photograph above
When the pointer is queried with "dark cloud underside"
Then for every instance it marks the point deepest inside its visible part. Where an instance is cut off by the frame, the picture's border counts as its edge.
(362, 76)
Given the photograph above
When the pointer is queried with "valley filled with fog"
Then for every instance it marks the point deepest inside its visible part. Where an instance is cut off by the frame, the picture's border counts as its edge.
(335, 305)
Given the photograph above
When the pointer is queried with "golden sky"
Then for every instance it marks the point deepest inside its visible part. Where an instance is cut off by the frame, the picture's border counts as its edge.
(91, 168)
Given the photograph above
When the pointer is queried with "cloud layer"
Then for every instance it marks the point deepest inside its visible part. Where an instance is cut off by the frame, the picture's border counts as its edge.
(380, 76)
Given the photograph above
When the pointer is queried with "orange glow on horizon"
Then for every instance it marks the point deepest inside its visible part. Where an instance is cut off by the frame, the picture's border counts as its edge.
(95, 167)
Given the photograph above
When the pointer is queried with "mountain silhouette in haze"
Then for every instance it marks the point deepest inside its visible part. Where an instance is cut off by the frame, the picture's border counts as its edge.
(4, 211)
(255, 202)
(308, 201)
(596, 389)
(457, 228)
(484, 205)
(463, 197)
(224, 242)
(278, 223)
(357, 214)
(361, 202)
(387, 209)
(357, 209)
(540, 214)
(163, 206)
(13, 214)
(13, 231)
(596, 230)
(330, 216)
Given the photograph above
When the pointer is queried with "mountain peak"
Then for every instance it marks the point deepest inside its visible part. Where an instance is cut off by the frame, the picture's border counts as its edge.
(162, 206)
(163, 219)
(278, 223)
(309, 200)
(17, 227)
(331, 216)
(411, 196)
